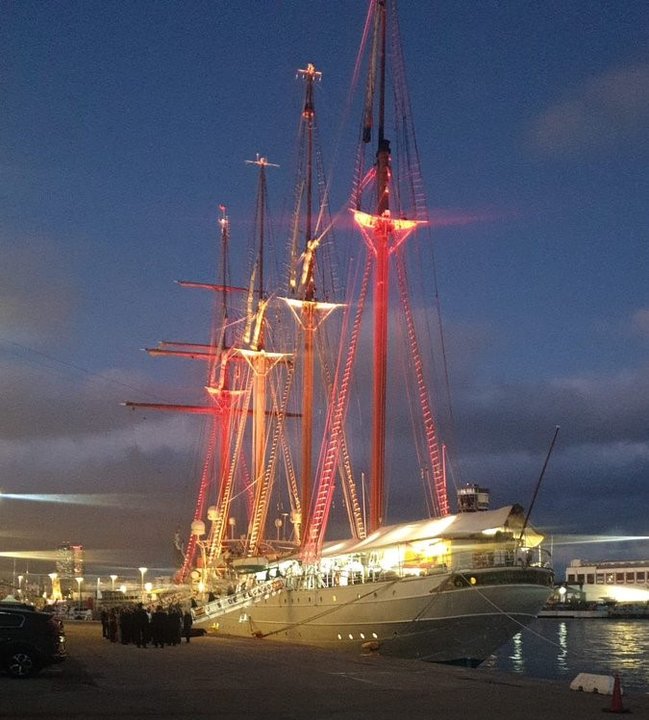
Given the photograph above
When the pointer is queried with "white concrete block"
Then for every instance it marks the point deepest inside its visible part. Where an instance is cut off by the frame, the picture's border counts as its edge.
(586, 682)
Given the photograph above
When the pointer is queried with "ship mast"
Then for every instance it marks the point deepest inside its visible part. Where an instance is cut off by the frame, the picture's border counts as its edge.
(261, 363)
(383, 235)
(380, 295)
(307, 310)
(219, 356)
(308, 307)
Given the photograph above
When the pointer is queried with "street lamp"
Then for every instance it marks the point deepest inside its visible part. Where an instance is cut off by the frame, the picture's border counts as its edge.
(142, 571)
(20, 584)
(232, 522)
(79, 581)
(148, 587)
(112, 582)
(53, 578)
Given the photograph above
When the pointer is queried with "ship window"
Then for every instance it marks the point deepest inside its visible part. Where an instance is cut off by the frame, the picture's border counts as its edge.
(619, 577)
(630, 577)
(599, 579)
(590, 579)
(640, 576)
(580, 579)
(610, 578)
(571, 579)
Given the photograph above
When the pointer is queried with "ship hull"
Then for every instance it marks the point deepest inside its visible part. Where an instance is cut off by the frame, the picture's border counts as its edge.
(449, 617)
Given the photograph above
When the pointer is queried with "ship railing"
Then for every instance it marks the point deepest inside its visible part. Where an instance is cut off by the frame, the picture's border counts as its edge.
(175, 598)
(239, 599)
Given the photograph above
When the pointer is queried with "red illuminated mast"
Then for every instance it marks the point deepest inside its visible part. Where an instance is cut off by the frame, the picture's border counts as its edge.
(383, 235)
(218, 355)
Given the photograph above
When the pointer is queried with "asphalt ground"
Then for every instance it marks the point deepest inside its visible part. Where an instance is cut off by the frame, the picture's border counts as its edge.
(215, 677)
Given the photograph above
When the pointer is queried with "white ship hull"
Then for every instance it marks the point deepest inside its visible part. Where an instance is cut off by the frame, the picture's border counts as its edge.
(427, 617)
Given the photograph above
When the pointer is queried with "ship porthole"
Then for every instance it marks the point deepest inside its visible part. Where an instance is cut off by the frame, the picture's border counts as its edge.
(351, 637)
(375, 636)
(473, 580)
(362, 636)
(340, 637)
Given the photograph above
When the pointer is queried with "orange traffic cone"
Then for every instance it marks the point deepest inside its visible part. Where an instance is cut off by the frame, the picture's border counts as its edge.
(616, 701)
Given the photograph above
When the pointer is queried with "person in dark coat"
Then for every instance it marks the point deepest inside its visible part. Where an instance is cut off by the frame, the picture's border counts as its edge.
(104, 623)
(112, 625)
(188, 621)
(174, 625)
(158, 627)
(141, 626)
(126, 632)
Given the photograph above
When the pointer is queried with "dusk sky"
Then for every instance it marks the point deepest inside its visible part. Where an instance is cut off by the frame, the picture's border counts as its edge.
(126, 124)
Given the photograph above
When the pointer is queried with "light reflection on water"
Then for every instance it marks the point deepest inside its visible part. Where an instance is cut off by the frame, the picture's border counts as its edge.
(560, 649)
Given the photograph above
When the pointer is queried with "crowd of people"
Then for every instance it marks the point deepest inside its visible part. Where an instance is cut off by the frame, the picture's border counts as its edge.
(140, 626)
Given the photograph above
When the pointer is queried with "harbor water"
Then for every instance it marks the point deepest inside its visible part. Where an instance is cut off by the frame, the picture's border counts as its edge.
(559, 649)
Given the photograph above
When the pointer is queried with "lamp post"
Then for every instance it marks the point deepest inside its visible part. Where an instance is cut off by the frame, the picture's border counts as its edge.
(53, 578)
(79, 581)
(142, 572)
(112, 582)
(232, 523)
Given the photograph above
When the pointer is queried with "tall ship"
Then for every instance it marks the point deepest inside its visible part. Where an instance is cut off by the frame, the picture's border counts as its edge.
(321, 420)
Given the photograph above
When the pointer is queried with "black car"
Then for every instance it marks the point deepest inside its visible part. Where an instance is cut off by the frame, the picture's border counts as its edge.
(29, 640)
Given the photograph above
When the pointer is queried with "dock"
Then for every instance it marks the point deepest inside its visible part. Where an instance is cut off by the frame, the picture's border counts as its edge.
(228, 678)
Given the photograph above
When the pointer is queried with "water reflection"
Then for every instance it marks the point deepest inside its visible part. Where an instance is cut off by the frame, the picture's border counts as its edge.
(560, 649)
(562, 653)
(517, 658)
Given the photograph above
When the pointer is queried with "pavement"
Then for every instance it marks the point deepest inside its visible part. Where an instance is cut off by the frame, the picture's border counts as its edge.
(216, 677)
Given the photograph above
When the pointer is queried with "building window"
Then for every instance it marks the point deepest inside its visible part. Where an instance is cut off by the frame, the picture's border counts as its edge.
(640, 577)
(600, 578)
(571, 579)
(590, 579)
(630, 577)
(580, 579)
(619, 578)
(610, 578)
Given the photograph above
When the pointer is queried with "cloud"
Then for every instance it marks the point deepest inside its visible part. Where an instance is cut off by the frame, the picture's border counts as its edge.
(589, 408)
(640, 322)
(610, 110)
(69, 455)
(596, 478)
